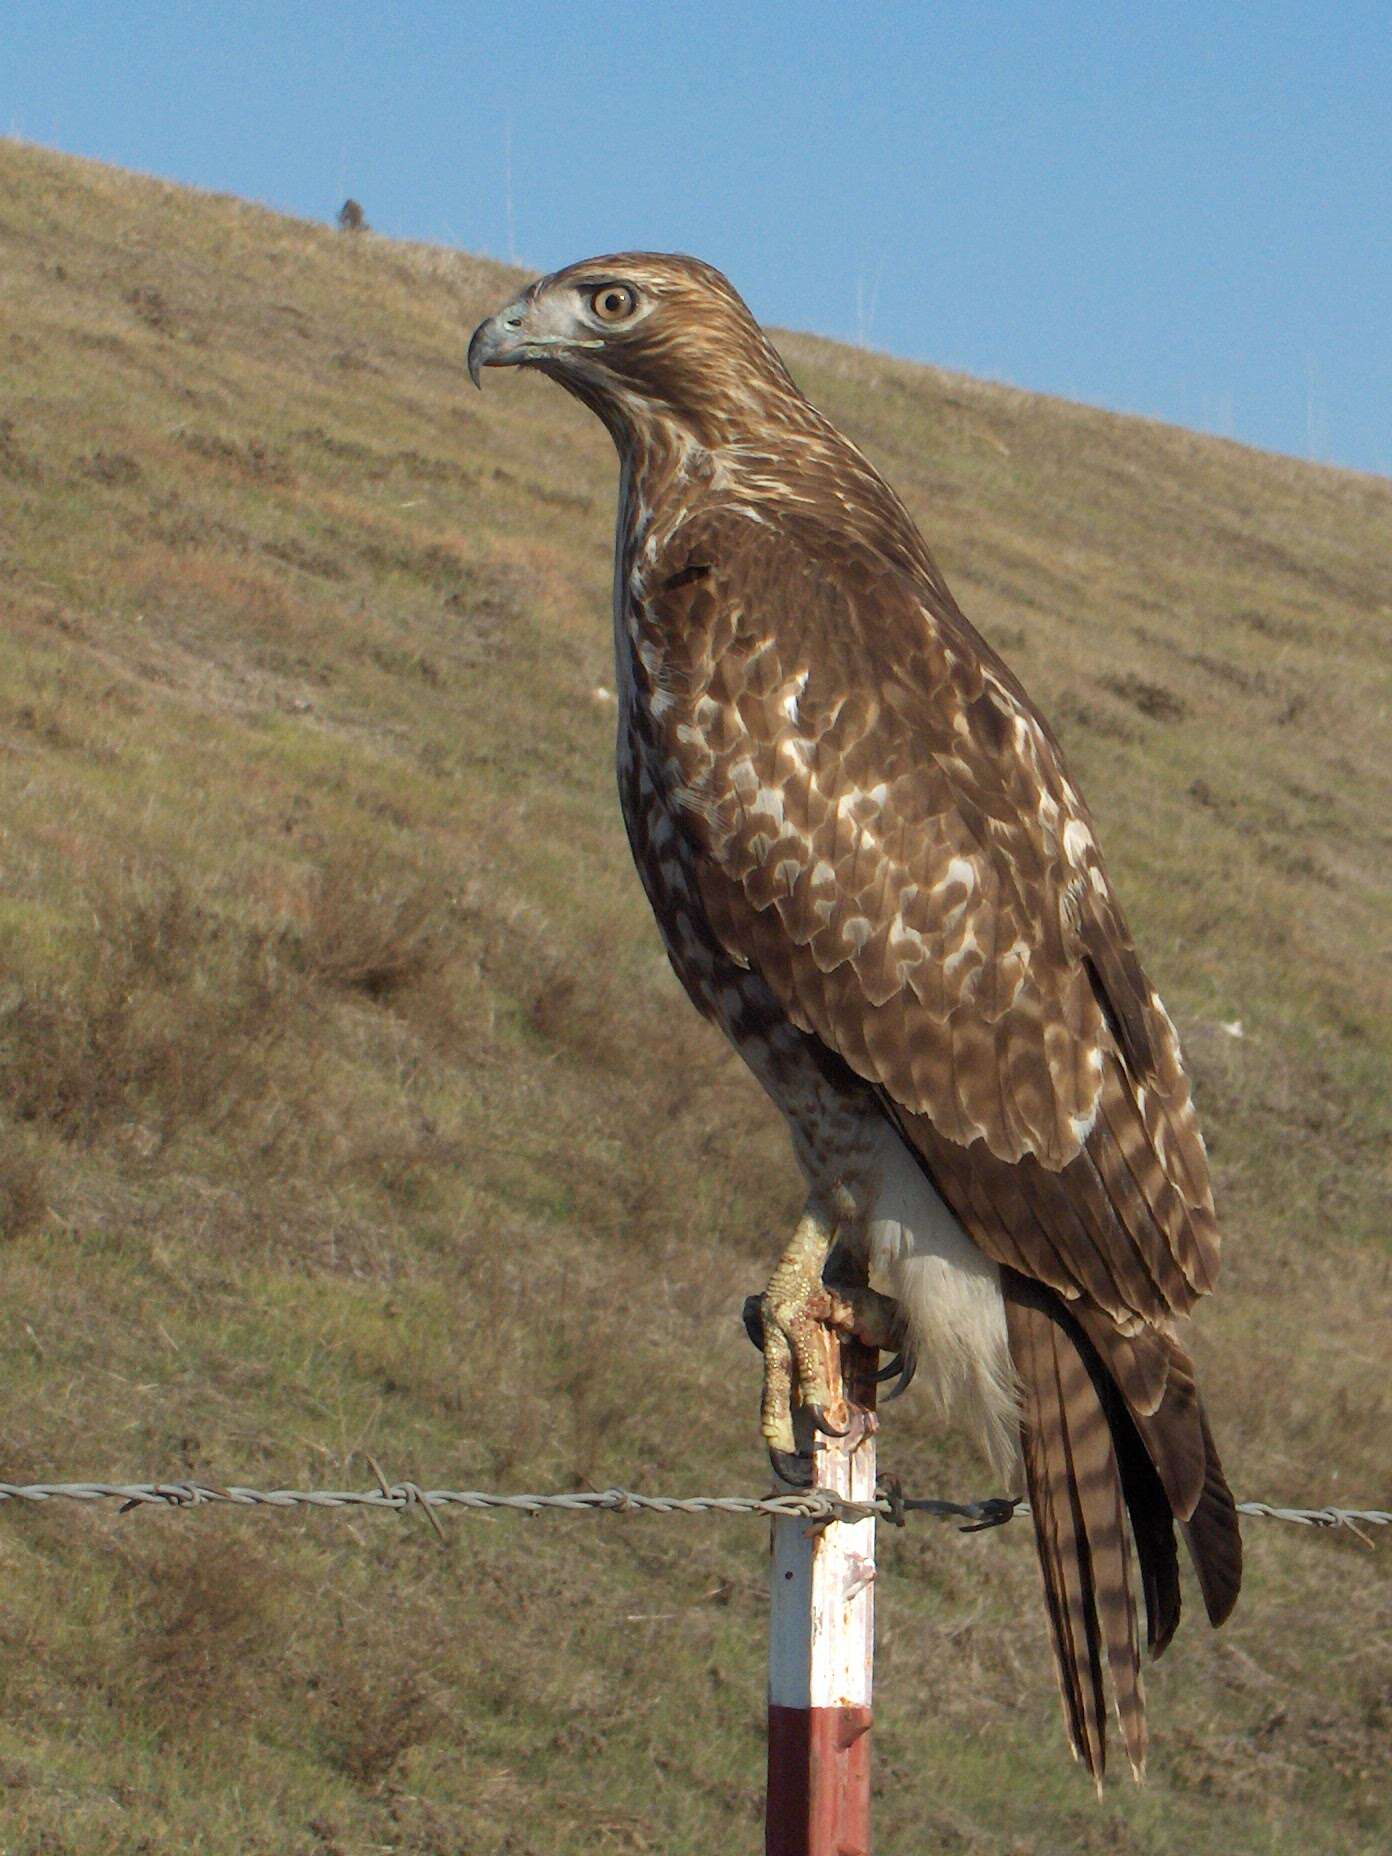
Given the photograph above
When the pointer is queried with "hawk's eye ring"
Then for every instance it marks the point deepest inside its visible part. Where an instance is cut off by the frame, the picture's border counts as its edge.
(613, 302)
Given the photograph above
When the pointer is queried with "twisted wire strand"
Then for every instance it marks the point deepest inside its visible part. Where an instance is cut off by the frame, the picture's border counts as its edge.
(807, 1505)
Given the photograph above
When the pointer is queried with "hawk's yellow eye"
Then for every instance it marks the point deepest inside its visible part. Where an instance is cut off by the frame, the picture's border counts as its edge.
(613, 302)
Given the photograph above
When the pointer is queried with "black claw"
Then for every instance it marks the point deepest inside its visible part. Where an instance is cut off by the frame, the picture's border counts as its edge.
(791, 1467)
(895, 1367)
(906, 1365)
(752, 1315)
(824, 1424)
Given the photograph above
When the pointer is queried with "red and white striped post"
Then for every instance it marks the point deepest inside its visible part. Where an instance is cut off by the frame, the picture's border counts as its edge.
(822, 1645)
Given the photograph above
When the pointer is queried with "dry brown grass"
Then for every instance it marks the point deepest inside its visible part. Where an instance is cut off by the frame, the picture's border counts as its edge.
(348, 1106)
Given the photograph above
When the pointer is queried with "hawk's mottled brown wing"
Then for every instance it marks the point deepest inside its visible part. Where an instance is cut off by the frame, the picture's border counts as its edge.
(887, 835)
(884, 831)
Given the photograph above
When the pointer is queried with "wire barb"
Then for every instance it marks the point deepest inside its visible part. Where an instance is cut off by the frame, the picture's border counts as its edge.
(818, 1505)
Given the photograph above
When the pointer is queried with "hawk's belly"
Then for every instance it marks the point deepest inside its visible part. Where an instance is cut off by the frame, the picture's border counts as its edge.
(849, 1150)
(831, 1114)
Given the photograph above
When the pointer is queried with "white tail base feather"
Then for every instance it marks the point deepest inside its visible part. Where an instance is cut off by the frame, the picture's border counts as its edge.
(950, 1293)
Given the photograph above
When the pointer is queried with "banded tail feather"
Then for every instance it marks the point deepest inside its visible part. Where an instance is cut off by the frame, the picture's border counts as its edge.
(1093, 1465)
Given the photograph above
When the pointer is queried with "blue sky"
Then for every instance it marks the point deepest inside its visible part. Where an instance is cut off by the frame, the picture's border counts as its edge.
(1181, 210)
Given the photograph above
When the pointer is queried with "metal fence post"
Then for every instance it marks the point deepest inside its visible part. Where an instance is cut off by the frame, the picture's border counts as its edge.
(822, 1647)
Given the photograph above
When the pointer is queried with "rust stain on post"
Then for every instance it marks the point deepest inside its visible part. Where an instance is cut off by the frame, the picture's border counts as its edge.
(821, 1645)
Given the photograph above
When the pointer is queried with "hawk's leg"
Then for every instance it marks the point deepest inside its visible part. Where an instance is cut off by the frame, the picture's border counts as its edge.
(788, 1321)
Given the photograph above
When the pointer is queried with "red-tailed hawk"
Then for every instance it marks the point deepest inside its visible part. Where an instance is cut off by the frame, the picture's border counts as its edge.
(872, 870)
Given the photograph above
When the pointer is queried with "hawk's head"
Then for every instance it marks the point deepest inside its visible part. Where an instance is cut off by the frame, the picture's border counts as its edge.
(642, 337)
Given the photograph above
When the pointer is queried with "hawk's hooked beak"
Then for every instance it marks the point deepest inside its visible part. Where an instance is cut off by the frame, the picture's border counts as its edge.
(501, 341)
(537, 328)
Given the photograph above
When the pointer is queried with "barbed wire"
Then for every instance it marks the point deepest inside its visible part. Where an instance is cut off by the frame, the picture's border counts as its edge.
(807, 1505)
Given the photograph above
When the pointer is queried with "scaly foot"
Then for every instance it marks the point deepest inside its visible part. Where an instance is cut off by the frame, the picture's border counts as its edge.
(876, 1321)
(794, 1322)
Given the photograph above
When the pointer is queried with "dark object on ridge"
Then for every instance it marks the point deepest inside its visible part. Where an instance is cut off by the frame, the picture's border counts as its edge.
(352, 218)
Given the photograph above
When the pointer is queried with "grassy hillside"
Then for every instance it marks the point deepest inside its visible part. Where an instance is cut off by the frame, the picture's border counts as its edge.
(348, 1107)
